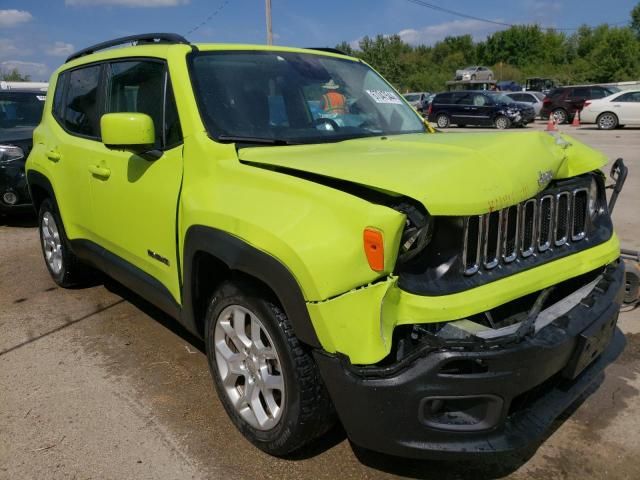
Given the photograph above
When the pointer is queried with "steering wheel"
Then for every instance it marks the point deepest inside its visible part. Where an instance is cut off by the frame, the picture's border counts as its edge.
(323, 120)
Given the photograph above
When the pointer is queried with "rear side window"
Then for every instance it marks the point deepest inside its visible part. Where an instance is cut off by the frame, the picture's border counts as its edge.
(58, 97)
(443, 98)
(140, 86)
(581, 92)
(81, 115)
(628, 97)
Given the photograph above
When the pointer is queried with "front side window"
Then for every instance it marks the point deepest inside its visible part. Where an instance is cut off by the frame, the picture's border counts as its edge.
(81, 115)
(295, 98)
(140, 86)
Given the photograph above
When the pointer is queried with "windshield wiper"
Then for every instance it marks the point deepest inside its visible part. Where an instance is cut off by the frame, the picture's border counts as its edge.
(255, 140)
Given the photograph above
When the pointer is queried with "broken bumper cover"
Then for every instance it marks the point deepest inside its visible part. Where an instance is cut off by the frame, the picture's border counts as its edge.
(430, 410)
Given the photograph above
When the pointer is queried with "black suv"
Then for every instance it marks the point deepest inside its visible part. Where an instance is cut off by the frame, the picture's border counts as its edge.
(564, 102)
(20, 113)
(482, 108)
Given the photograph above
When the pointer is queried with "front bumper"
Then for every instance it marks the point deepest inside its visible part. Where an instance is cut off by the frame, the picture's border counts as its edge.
(13, 180)
(508, 404)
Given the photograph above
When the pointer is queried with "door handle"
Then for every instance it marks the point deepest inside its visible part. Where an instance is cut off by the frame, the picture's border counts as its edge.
(53, 155)
(99, 171)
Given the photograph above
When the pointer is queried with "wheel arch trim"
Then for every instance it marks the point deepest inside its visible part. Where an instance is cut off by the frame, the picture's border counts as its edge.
(239, 256)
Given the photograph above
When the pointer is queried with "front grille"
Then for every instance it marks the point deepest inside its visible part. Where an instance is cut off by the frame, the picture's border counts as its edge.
(519, 231)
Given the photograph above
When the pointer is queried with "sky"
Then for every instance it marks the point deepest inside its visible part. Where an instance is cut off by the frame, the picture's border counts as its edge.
(37, 35)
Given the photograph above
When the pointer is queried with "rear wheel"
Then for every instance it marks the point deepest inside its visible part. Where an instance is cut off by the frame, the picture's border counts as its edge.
(502, 122)
(560, 115)
(267, 381)
(442, 120)
(607, 121)
(63, 265)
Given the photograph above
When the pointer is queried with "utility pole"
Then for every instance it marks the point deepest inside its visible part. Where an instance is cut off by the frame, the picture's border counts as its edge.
(269, 32)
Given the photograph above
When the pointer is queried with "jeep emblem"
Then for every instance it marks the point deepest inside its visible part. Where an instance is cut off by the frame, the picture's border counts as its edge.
(545, 177)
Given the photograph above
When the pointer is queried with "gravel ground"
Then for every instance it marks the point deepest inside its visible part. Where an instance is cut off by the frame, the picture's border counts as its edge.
(95, 383)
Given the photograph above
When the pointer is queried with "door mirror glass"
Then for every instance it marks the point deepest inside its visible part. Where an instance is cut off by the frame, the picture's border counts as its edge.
(128, 131)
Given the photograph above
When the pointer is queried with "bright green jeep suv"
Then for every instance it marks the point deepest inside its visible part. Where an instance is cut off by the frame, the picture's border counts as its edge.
(437, 293)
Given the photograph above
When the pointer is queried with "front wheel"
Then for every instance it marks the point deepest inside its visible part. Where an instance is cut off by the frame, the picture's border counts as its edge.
(267, 381)
(607, 121)
(502, 122)
(443, 120)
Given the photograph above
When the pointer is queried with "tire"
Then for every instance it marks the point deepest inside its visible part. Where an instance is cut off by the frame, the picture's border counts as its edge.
(297, 409)
(502, 122)
(64, 266)
(443, 120)
(607, 121)
(560, 115)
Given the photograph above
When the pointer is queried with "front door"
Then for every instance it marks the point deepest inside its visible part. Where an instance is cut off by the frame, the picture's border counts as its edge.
(135, 198)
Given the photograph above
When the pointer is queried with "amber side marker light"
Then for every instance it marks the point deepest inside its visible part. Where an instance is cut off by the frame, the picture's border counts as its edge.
(374, 248)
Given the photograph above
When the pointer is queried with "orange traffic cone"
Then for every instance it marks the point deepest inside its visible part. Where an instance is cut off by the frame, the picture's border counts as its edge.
(551, 124)
(576, 120)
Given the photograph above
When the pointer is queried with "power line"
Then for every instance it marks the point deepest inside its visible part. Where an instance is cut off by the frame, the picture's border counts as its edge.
(486, 20)
(208, 19)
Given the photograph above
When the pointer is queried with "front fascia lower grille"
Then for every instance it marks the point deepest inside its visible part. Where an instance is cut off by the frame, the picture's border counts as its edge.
(520, 231)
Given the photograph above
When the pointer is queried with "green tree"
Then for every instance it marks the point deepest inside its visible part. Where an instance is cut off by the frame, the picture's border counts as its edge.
(14, 76)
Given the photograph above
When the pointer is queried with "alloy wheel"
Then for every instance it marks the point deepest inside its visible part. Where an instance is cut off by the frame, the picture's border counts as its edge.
(51, 243)
(607, 121)
(249, 367)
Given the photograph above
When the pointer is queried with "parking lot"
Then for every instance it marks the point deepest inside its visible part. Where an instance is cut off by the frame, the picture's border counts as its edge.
(95, 383)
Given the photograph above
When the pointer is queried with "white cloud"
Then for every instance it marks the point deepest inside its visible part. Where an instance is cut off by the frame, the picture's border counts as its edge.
(126, 3)
(60, 49)
(433, 33)
(11, 18)
(7, 48)
(37, 71)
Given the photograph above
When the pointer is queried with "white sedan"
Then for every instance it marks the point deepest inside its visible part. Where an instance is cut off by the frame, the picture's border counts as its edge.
(613, 111)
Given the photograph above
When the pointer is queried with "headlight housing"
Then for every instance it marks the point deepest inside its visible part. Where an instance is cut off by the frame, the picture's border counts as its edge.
(417, 233)
(10, 153)
(594, 203)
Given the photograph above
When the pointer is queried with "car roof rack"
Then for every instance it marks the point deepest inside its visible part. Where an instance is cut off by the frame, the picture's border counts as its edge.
(137, 39)
(329, 50)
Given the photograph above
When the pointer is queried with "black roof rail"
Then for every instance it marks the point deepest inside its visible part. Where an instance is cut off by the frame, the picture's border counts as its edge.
(328, 49)
(137, 39)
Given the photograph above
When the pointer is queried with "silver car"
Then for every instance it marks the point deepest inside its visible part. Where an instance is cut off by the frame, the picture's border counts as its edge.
(417, 100)
(474, 73)
(530, 98)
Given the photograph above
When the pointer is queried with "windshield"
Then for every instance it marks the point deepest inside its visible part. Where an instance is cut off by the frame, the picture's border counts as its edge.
(265, 97)
(20, 109)
(412, 97)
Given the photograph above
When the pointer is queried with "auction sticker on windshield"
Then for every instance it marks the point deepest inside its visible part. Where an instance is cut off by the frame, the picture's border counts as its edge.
(382, 96)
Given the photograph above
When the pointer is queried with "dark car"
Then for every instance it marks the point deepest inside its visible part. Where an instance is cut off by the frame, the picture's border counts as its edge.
(508, 86)
(479, 108)
(20, 113)
(564, 102)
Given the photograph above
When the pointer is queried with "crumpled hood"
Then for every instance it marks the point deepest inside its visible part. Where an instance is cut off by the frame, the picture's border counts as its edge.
(450, 173)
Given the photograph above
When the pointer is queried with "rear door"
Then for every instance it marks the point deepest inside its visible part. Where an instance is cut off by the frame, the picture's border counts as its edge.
(135, 202)
(72, 143)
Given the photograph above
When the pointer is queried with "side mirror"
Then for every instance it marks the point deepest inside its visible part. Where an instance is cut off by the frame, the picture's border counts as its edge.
(128, 131)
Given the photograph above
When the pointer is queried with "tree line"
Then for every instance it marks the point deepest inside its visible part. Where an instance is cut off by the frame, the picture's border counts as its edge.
(590, 55)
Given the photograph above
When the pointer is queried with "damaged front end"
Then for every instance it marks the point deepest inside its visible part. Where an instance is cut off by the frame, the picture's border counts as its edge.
(493, 382)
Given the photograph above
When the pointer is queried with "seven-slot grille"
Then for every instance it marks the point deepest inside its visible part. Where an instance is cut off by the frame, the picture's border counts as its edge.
(519, 231)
